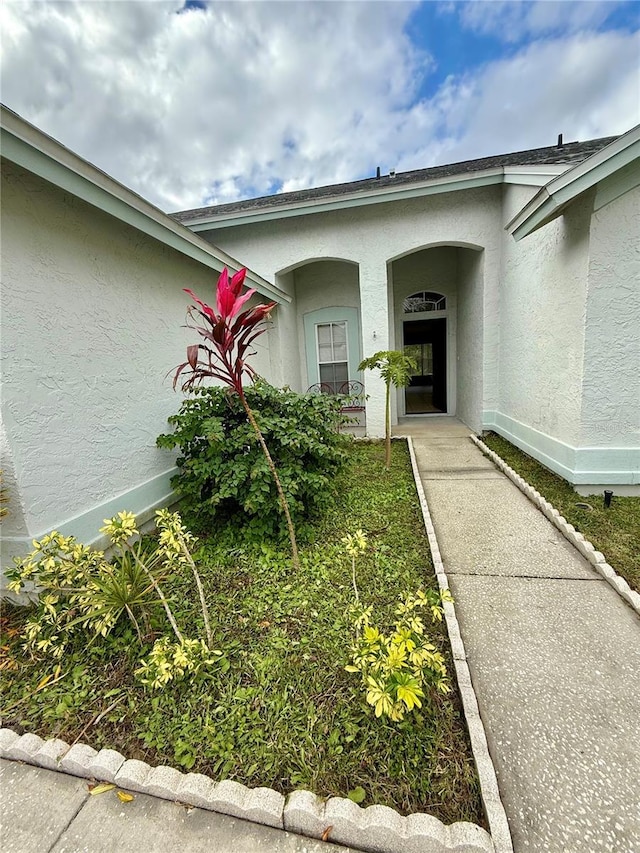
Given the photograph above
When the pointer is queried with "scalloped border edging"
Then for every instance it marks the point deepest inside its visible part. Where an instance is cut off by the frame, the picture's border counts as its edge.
(489, 791)
(376, 829)
(588, 551)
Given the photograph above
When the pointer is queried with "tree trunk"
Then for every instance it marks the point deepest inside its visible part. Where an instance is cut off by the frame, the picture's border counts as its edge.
(387, 431)
(283, 499)
(162, 598)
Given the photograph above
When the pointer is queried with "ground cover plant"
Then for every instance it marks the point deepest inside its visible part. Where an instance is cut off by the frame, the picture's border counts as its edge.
(615, 531)
(283, 711)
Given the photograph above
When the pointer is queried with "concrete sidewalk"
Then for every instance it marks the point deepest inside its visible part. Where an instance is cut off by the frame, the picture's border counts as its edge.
(48, 812)
(553, 650)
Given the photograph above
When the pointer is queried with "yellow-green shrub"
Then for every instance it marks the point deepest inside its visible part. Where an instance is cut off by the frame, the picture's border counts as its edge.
(397, 668)
(80, 590)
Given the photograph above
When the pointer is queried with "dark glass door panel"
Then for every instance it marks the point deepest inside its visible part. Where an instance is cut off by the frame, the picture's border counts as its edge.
(426, 340)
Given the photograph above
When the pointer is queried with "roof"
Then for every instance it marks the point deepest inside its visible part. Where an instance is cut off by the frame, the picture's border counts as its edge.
(35, 151)
(565, 156)
(619, 157)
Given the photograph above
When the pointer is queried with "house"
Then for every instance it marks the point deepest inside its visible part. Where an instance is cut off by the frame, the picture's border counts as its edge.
(92, 314)
(514, 280)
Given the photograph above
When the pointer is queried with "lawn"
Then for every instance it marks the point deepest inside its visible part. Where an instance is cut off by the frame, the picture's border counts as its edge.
(283, 712)
(615, 531)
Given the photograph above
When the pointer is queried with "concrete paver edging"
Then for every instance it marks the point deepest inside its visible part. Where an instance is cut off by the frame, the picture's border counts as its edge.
(376, 829)
(494, 809)
(596, 558)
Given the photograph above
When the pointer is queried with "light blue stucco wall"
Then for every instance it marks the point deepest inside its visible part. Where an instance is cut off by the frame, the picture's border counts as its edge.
(569, 367)
(611, 379)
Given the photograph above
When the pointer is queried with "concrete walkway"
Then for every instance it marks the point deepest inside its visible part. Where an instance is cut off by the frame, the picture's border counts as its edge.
(48, 812)
(554, 654)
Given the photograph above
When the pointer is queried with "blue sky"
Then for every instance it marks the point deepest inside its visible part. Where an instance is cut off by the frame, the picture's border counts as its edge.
(436, 27)
(202, 103)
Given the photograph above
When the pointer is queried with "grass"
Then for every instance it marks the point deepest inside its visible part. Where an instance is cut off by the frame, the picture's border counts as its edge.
(614, 531)
(285, 713)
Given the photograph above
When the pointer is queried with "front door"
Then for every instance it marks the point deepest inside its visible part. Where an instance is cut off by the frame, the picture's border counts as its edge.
(426, 342)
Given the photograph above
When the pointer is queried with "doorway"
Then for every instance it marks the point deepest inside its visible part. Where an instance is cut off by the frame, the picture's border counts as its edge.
(426, 342)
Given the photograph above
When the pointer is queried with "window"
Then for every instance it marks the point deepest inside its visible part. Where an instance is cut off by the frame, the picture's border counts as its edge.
(423, 356)
(333, 363)
(424, 301)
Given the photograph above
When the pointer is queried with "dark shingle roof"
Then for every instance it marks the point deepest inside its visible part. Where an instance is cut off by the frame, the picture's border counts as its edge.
(570, 154)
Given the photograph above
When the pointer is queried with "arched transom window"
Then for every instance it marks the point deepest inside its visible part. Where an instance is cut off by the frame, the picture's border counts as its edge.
(425, 300)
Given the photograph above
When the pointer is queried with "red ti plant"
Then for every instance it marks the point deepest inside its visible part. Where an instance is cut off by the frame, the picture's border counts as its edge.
(229, 333)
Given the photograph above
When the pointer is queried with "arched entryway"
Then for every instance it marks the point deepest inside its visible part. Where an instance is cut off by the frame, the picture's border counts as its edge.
(437, 318)
(323, 333)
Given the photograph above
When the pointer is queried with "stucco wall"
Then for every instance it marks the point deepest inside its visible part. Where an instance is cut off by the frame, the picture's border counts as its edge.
(285, 358)
(470, 335)
(370, 237)
(611, 383)
(91, 322)
(14, 523)
(542, 311)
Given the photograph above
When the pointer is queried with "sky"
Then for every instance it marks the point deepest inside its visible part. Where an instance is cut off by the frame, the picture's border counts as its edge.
(199, 103)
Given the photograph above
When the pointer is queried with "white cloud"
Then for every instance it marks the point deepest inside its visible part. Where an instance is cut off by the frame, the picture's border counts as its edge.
(246, 98)
(583, 86)
(513, 20)
(206, 105)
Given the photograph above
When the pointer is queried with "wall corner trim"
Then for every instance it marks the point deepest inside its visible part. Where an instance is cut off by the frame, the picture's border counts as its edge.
(143, 500)
(578, 465)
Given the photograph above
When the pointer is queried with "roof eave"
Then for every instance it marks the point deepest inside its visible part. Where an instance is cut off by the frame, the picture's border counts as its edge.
(531, 175)
(552, 199)
(28, 147)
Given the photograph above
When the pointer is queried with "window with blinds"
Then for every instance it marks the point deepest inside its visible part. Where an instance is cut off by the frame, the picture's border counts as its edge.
(333, 364)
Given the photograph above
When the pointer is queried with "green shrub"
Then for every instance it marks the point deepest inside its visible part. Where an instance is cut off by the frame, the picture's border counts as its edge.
(223, 474)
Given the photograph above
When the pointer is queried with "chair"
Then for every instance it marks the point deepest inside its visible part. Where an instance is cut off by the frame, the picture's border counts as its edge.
(352, 403)
(320, 388)
(354, 392)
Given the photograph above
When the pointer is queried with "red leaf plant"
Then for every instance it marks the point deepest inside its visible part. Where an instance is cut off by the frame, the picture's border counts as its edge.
(229, 333)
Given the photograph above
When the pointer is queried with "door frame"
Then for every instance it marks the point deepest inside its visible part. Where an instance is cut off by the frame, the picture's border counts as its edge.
(410, 318)
(449, 314)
